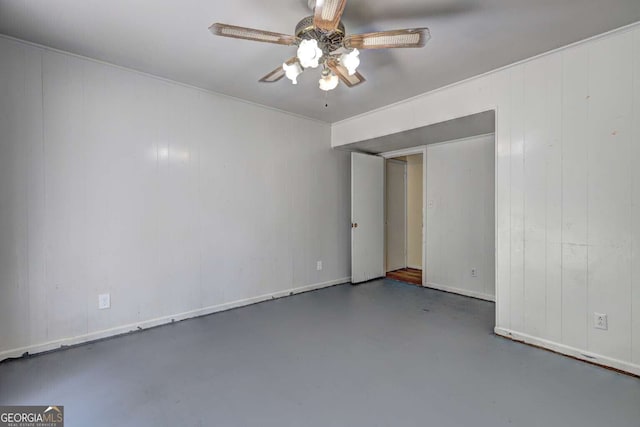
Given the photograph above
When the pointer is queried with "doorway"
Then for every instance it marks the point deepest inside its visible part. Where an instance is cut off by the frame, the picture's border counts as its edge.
(404, 218)
(452, 245)
(458, 201)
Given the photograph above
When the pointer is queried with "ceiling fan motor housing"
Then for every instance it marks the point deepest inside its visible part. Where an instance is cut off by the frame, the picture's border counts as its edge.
(327, 41)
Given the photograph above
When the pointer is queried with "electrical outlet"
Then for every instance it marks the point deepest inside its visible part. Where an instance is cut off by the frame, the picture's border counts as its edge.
(600, 321)
(474, 272)
(319, 265)
(104, 301)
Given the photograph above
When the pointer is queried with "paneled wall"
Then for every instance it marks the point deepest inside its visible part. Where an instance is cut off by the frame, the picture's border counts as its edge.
(460, 217)
(176, 201)
(567, 190)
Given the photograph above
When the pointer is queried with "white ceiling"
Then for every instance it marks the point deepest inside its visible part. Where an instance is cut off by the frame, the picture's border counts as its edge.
(169, 38)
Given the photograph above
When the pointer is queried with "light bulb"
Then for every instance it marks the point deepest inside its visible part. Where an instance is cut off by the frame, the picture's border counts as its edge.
(329, 81)
(351, 61)
(309, 53)
(292, 71)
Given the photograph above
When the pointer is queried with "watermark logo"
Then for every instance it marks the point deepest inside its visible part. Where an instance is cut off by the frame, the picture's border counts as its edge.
(32, 416)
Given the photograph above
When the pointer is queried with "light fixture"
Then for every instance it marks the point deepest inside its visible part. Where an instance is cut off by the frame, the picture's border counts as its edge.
(321, 41)
(329, 81)
(351, 61)
(309, 53)
(292, 71)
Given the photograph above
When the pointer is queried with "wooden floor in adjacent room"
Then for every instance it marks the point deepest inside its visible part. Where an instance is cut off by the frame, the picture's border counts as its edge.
(409, 275)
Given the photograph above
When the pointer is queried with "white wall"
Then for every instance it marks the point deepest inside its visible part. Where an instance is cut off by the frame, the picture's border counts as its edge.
(567, 190)
(174, 200)
(414, 210)
(461, 217)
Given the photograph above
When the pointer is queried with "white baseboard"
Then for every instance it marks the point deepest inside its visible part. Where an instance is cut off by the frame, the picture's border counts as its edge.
(106, 333)
(570, 351)
(415, 267)
(463, 292)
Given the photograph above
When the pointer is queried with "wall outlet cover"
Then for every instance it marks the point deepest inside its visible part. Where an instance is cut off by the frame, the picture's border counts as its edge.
(600, 321)
(319, 265)
(104, 301)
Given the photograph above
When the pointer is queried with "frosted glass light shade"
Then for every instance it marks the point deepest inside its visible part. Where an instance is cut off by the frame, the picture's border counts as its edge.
(328, 82)
(351, 61)
(309, 53)
(292, 71)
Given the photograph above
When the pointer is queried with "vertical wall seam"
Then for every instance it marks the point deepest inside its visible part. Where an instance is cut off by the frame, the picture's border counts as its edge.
(27, 283)
(634, 72)
(547, 139)
(45, 188)
(84, 154)
(510, 200)
(524, 200)
(199, 213)
(510, 89)
(562, 140)
(588, 306)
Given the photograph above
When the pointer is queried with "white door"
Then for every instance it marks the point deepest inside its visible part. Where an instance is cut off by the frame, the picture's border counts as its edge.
(396, 215)
(367, 217)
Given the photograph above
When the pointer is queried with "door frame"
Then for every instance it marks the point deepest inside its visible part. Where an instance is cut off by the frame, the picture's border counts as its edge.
(421, 149)
(404, 164)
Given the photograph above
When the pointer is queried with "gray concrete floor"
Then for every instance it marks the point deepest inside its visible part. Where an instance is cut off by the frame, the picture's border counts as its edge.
(377, 354)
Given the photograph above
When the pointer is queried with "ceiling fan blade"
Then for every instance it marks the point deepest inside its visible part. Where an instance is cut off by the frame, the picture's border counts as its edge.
(340, 71)
(414, 37)
(278, 73)
(327, 14)
(251, 34)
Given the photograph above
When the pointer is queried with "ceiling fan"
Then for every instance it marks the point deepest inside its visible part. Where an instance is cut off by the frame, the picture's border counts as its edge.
(322, 41)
